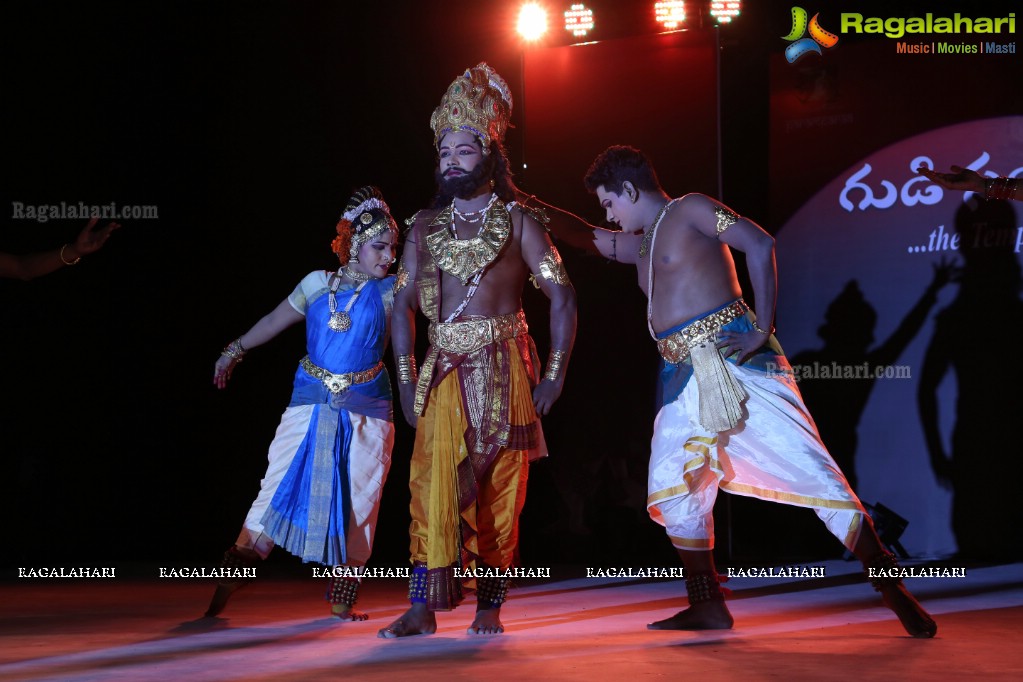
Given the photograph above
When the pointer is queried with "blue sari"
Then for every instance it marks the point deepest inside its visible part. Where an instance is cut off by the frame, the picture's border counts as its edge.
(308, 516)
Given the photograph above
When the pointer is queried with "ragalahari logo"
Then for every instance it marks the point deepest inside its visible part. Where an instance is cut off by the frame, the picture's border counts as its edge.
(802, 46)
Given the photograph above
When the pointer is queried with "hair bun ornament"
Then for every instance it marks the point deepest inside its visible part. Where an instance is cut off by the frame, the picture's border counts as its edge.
(359, 224)
(343, 242)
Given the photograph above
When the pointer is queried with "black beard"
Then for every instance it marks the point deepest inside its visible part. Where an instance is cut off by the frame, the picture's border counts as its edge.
(464, 186)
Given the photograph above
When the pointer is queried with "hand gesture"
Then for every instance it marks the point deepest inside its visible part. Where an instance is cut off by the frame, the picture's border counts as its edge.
(92, 238)
(222, 370)
(545, 395)
(407, 394)
(945, 271)
(743, 343)
(960, 178)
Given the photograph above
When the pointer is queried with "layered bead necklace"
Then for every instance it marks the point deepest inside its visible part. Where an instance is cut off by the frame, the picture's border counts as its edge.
(480, 217)
(341, 321)
(470, 217)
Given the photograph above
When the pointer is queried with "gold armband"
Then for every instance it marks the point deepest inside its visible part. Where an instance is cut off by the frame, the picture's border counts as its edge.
(234, 350)
(552, 268)
(407, 373)
(400, 277)
(726, 218)
(554, 362)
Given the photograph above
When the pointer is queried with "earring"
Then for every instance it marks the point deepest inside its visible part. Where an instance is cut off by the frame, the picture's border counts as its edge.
(492, 183)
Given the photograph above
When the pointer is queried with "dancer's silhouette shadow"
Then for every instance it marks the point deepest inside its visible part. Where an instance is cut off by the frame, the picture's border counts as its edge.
(837, 403)
(975, 336)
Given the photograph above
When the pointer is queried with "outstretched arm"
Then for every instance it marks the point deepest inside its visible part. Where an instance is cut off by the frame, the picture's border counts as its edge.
(403, 328)
(969, 180)
(889, 351)
(272, 324)
(577, 233)
(32, 265)
(544, 262)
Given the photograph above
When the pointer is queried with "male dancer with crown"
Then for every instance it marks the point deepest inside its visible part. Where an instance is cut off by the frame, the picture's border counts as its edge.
(727, 417)
(479, 397)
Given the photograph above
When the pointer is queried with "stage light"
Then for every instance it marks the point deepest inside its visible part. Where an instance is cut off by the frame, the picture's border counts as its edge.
(725, 10)
(579, 20)
(532, 21)
(671, 13)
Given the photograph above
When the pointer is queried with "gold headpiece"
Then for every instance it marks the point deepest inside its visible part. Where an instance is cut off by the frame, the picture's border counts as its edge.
(478, 102)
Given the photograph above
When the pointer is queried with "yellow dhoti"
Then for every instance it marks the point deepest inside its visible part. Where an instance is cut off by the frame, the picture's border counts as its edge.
(462, 512)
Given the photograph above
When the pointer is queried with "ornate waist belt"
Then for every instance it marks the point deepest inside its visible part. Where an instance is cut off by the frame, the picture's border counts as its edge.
(676, 347)
(339, 383)
(464, 338)
(471, 335)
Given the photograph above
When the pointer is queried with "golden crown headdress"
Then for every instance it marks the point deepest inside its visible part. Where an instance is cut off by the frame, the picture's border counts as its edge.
(479, 102)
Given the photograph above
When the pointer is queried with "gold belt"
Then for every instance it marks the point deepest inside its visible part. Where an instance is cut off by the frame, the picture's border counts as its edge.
(471, 335)
(675, 348)
(339, 383)
(464, 337)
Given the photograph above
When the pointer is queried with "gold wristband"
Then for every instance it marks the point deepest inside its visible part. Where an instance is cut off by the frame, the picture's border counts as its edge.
(234, 350)
(554, 362)
(407, 373)
(763, 331)
(65, 261)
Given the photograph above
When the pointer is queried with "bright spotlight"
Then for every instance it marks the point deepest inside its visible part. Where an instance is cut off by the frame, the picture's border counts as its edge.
(725, 10)
(532, 21)
(671, 13)
(579, 20)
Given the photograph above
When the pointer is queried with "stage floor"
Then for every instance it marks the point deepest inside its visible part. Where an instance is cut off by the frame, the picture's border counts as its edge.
(578, 629)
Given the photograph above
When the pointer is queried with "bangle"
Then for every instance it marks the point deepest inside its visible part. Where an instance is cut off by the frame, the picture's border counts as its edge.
(763, 331)
(65, 261)
(407, 373)
(554, 362)
(1000, 188)
(234, 350)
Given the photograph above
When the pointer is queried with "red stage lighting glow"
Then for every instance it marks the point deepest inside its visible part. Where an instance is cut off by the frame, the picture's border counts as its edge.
(579, 20)
(671, 13)
(532, 21)
(725, 10)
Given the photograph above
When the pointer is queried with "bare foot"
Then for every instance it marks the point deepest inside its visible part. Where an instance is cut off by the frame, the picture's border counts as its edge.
(416, 621)
(486, 622)
(914, 618)
(235, 558)
(708, 615)
(346, 612)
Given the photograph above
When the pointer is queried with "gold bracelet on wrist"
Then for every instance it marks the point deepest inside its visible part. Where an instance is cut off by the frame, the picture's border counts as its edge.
(65, 261)
(407, 373)
(763, 331)
(1000, 188)
(554, 362)
(234, 350)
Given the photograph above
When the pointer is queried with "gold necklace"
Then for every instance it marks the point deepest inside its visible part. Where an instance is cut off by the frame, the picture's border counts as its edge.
(355, 275)
(463, 258)
(341, 321)
(644, 246)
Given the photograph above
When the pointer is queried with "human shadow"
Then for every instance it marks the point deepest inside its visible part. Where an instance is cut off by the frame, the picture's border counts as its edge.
(974, 337)
(837, 379)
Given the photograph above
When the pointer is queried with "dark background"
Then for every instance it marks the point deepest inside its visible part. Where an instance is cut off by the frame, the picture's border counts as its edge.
(248, 125)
